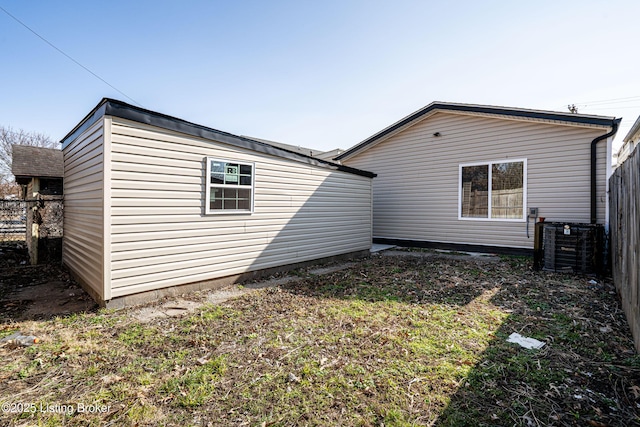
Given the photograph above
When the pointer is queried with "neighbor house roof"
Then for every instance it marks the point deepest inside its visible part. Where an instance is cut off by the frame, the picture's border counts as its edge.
(330, 155)
(633, 132)
(295, 148)
(486, 110)
(29, 161)
(115, 108)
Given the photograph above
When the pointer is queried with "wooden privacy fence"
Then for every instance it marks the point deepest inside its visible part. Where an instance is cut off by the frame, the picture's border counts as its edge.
(624, 221)
(504, 203)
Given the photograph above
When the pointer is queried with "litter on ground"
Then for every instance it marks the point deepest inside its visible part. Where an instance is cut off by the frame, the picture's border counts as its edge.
(525, 342)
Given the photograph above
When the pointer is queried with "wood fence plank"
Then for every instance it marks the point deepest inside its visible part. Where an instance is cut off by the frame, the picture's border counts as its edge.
(624, 229)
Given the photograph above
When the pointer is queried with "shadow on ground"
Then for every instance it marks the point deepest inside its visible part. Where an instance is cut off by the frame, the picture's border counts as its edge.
(37, 292)
(391, 340)
(411, 277)
(587, 373)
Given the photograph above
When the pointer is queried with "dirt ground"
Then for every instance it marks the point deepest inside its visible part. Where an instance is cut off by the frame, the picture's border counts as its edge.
(403, 338)
(44, 291)
(36, 292)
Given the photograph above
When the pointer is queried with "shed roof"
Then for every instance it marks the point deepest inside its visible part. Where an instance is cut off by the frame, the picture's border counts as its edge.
(29, 161)
(487, 110)
(115, 108)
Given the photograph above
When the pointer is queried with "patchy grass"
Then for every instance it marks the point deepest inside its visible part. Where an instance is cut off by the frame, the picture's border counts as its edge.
(389, 341)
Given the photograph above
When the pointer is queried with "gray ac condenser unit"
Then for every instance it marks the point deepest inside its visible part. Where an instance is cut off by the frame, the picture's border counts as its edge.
(573, 248)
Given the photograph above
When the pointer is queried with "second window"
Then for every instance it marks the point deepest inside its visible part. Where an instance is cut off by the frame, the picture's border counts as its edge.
(494, 190)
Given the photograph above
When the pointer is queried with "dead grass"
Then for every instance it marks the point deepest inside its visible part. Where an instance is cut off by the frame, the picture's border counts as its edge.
(389, 341)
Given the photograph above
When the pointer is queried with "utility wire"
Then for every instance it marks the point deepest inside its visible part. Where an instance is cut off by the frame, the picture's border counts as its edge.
(610, 100)
(614, 103)
(596, 107)
(69, 57)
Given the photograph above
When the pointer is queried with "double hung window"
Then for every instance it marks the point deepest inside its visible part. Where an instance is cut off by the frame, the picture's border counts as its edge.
(229, 186)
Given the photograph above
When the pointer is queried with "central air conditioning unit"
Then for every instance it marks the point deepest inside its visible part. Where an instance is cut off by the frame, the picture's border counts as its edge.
(572, 248)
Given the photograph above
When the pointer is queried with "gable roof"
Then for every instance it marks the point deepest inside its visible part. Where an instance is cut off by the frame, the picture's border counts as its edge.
(30, 161)
(633, 132)
(504, 112)
(115, 108)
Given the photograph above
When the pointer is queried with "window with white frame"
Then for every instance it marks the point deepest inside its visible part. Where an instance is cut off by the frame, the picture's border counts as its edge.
(493, 190)
(229, 187)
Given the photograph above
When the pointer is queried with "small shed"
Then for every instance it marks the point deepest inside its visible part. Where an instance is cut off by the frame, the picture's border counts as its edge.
(153, 202)
(477, 177)
(39, 172)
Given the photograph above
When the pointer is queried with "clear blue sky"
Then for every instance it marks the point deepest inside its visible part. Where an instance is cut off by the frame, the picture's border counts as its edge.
(321, 74)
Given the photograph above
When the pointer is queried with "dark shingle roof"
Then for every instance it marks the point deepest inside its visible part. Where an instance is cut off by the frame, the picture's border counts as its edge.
(294, 148)
(31, 161)
(115, 108)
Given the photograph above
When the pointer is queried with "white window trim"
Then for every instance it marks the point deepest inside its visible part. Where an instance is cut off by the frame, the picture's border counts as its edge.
(490, 163)
(208, 185)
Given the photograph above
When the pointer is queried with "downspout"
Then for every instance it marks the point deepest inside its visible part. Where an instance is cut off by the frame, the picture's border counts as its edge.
(614, 129)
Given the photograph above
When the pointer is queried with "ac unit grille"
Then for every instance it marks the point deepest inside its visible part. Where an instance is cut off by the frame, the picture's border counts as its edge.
(576, 252)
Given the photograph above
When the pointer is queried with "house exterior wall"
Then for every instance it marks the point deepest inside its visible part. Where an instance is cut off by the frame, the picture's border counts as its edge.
(161, 237)
(629, 143)
(33, 183)
(416, 191)
(83, 242)
(625, 151)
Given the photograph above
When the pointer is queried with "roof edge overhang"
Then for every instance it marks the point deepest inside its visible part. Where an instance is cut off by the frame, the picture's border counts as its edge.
(115, 108)
(518, 113)
(635, 129)
(22, 176)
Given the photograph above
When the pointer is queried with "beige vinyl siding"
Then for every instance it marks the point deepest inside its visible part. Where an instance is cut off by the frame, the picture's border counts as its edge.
(160, 235)
(416, 191)
(83, 207)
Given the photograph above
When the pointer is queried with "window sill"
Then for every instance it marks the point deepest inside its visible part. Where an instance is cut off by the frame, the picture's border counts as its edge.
(520, 220)
(228, 213)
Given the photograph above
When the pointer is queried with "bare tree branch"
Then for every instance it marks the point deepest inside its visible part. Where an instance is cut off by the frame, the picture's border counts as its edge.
(9, 137)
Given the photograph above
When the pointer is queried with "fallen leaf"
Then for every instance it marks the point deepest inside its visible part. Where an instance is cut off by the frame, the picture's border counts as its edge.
(293, 378)
(110, 379)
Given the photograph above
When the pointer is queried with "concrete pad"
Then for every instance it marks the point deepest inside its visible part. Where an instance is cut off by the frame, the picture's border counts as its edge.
(445, 254)
(378, 247)
(331, 269)
(221, 296)
(174, 308)
(179, 307)
(279, 281)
